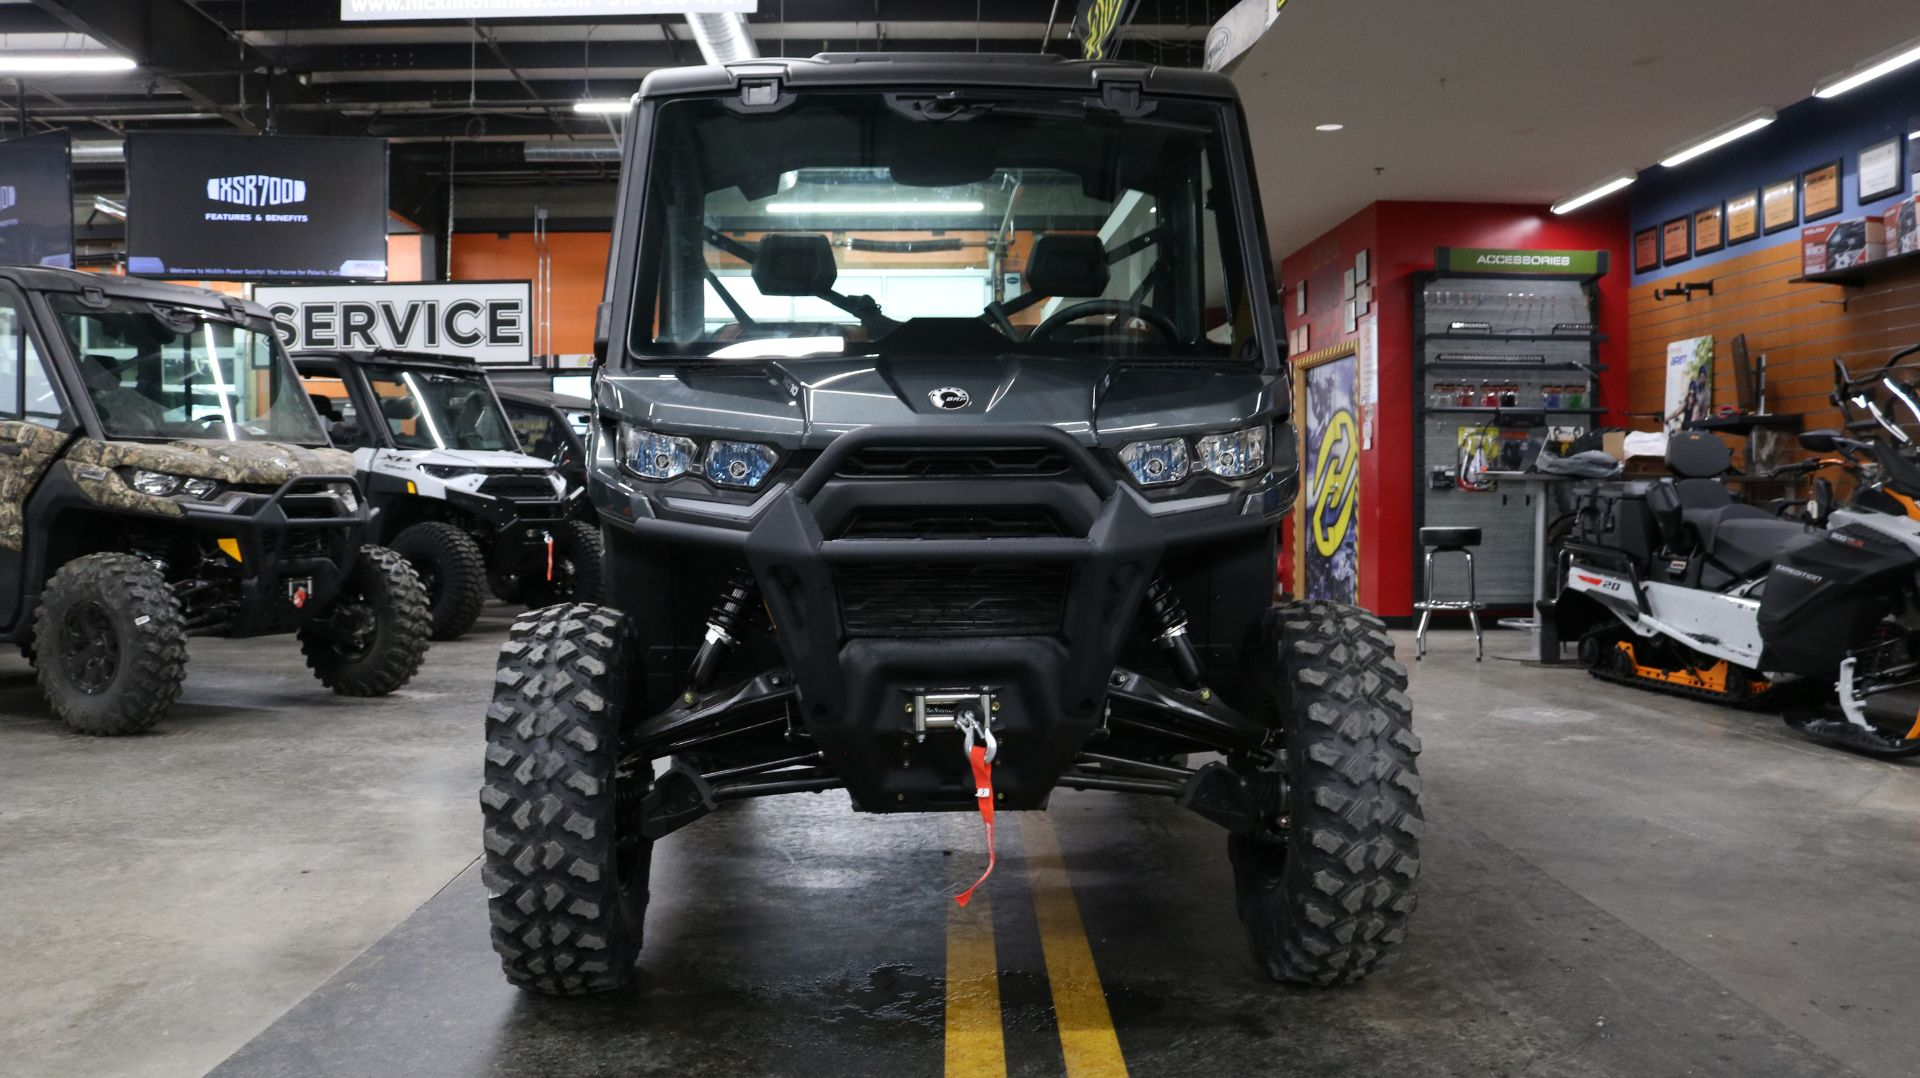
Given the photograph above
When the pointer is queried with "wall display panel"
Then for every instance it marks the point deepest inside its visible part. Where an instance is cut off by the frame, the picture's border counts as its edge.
(239, 208)
(1646, 250)
(1820, 191)
(36, 201)
(1780, 204)
(1743, 217)
(1709, 229)
(1880, 174)
(1676, 241)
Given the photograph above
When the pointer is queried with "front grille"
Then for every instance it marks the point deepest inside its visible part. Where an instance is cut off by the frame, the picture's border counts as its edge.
(518, 486)
(942, 522)
(951, 600)
(311, 506)
(931, 462)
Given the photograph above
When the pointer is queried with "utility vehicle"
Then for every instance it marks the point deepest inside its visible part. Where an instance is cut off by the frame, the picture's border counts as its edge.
(162, 475)
(1676, 586)
(450, 489)
(554, 427)
(942, 439)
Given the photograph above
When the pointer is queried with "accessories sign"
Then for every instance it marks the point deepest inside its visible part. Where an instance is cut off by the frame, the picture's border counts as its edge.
(488, 320)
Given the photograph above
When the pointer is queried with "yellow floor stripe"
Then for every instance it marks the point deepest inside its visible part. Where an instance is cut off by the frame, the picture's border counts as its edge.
(1087, 1040)
(975, 1047)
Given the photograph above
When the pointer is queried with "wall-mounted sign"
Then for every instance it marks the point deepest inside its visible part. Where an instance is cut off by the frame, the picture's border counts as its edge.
(36, 201)
(238, 208)
(389, 10)
(1468, 260)
(1820, 192)
(1780, 204)
(1709, 231)
(1646, 250)
(1879, 172)
(1689, 382)
(1676, 241)
(1743, 217)
(487, 320)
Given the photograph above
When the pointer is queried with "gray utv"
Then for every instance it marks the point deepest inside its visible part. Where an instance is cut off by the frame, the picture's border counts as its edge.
(940, 448)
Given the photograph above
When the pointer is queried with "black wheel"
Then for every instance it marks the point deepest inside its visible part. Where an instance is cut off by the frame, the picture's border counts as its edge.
(576, 569)
(453, 571)
(566, 867)
(110, 644)
(1326, 885)
(371, 639)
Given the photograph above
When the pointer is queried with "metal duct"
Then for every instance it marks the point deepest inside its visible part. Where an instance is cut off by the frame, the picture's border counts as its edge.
(570, 152)
(99, 152)
(722, 36)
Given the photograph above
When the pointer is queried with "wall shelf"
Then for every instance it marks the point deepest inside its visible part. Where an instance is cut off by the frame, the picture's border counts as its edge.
(1433, 367)
(1512, 409)
(1572, 338)
(1863, 274)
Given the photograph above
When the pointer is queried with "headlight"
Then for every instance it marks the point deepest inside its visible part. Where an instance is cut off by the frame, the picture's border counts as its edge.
(344, 492)
(1233, 456)
(739, 464)
(1154, 463)
(656, 456)
(446, 471)
(167, 485)
(199, 488)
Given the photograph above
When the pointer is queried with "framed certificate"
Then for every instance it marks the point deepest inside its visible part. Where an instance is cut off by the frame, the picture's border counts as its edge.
(1709, 229)
(1646, 250)
(1743, 217)
(1879, 173)
(1779, 205)
(1820, 191)
(1676, 241)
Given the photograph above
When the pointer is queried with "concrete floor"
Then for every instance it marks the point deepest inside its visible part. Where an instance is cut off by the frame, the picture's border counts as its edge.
(280, 882)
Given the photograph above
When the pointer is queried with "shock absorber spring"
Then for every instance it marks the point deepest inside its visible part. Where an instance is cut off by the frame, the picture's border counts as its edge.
(723, 625)
(1170, 617)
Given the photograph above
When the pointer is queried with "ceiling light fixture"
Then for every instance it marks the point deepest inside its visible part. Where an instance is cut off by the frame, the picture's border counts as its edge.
(63, 63)
(1330, 127)
(875, 207)
(1880, 65)
(1592, 193)
(1745, 125)
(601, 108)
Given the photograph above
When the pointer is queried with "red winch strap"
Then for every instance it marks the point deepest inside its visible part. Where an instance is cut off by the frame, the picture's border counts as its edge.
(983, 791)
(549, 558)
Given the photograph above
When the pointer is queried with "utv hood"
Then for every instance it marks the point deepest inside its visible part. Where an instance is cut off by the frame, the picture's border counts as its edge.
(245, 463)
(474, 458)
(806, 403)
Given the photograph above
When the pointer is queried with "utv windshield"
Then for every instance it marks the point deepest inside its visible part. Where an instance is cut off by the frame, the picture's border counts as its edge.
(867, 223)
(436, 408)
(159, 371)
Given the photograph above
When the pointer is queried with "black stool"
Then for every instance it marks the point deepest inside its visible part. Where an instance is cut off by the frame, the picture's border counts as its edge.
(1440, 541)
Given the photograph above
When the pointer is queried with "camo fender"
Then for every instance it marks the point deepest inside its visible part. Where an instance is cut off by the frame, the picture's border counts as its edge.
(21, 472)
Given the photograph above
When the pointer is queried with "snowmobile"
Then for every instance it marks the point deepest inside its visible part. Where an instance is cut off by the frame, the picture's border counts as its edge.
(1674, 585)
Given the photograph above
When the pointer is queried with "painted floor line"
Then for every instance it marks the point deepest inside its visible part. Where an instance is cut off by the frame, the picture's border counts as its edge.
(1087, 1039)
(975, 1044)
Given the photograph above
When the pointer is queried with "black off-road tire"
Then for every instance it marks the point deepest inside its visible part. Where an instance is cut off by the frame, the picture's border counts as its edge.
(577, 569)
(453, 569)
(110, 644)
(373, 637)
(565, 865)
(1326, 886)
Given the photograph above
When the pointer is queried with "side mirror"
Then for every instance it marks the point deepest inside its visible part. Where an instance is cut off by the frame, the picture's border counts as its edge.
(1820, 441)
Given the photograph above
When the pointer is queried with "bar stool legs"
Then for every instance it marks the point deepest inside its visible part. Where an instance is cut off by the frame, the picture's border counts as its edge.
(1470, 606)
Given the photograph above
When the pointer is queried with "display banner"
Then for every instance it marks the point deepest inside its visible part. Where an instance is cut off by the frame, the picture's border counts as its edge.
(1689, 382)
(36, 201)
(1331, 437)
(381, 10)
(240, 208)
(486, 320)
(1097, 23)
(1484, 260)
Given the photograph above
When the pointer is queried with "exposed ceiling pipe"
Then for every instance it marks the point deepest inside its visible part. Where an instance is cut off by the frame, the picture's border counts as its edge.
(99, 152)
(573, 152)
(722, 36)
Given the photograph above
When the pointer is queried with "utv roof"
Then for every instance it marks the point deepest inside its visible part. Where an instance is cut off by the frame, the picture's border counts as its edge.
(391, 355)
(541, 398)
(942, 70)
(45, 279)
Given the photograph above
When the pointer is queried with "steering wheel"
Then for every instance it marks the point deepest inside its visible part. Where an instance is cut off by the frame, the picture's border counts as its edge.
(1161, 325)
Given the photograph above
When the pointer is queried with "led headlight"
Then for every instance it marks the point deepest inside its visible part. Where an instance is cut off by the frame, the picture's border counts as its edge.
(158, 484)
(1235, 455)
(446, 471)
(656, 456)
(199, 488)
(739, 464)
(1157, 462)
(344, 493)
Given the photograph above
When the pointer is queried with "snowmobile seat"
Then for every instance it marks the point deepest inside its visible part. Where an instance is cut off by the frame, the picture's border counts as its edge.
(1741, 539)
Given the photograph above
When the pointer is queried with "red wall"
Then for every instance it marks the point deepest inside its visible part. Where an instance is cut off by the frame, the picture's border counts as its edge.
(1401, 238)
(579, 270)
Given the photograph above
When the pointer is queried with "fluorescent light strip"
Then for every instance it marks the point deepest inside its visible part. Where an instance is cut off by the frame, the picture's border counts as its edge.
(1901, 57)
(63, 63)
(1599, 192)
(875, 207)
(601, 108)
(1747, 125)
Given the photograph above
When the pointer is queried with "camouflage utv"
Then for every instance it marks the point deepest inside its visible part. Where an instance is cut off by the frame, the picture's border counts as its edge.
(163, 475)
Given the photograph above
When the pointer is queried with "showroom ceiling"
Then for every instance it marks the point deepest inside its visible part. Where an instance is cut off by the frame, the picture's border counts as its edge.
(1494, 101)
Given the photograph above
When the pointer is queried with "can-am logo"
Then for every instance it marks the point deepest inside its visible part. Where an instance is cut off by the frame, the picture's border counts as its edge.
(256, 190)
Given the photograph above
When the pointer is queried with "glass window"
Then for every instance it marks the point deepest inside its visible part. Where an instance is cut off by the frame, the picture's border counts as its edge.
(338, 414)
(983, 225)
(540, 434)
(436, 408)
(12, 336)
(25, 390)
(154, 371)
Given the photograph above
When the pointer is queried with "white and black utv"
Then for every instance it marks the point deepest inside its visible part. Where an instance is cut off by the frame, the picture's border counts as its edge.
(942, 441)
(449, 487)
(163, 476)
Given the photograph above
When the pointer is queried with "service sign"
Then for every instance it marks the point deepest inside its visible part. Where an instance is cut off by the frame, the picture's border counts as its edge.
(491, 321)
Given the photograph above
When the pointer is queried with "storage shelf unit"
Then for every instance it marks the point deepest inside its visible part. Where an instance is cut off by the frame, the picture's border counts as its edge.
(1520, 311)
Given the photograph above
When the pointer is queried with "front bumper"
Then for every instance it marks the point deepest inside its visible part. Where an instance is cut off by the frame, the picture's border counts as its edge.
(295, 549)
(521, 529)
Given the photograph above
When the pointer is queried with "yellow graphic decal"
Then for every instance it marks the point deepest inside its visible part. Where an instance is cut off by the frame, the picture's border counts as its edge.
(1336, 478)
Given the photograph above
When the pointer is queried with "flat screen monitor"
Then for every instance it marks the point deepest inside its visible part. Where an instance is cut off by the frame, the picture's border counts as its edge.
(574, 385)
(265, 208)
(36, 201)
